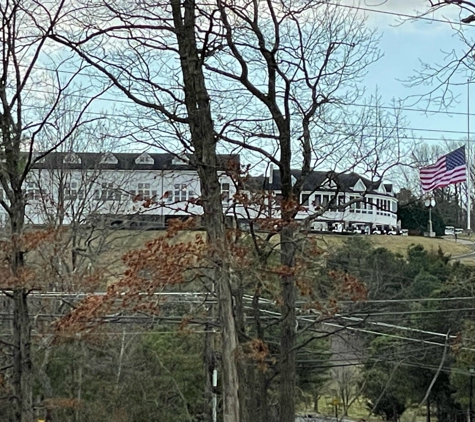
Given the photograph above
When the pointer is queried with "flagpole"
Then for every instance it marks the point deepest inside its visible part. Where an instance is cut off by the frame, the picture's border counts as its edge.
(468, 161)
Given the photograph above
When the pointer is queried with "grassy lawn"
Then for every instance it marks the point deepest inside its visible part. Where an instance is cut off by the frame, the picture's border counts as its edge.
(359, 411)
(399, 244)
(125, 240)
(109, 246)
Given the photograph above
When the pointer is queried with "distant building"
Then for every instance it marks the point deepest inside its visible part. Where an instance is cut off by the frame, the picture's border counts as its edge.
(79, 187)
(347, 199)
(136, 189)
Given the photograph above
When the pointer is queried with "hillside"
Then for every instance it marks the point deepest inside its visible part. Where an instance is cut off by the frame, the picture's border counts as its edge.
(399, 244)
(125, 240)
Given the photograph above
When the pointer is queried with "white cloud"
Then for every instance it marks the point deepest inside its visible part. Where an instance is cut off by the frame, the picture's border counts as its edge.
(384, 14)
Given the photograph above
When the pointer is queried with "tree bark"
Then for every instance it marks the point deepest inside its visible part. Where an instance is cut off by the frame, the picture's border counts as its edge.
(21, 325)
(287, 332)
(22, 366)
(288, 289)
(205, 159)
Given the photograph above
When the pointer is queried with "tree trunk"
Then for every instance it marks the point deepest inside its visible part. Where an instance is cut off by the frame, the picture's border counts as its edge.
(287, 334)
(287, 260)
(22, 366)
(246, 371)
(205, 159)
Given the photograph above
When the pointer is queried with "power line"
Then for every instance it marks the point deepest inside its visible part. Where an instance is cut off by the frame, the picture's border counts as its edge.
(130, 102)
(357, 329)
(423, 299)
(383, 107)
(400, 15)
(401, 137)
(208, 296)
(414, 312)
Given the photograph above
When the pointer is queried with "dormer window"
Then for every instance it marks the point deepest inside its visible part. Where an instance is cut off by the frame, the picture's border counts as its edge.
(109, 158)
(179, 161)
(359, 186)
(38, 157)
(72, 158)
(381, 188)
(329, 184)
(144, 158)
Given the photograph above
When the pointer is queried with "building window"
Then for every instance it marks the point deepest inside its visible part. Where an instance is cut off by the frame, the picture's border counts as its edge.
(341, 201)
(305, 198)
(332, 202)
(107, 193)
(225, 194)
(325, 201)
(369, 204)
(143, 191)
(317, 201)
(353, 205)
(181, 192)
(32, 192)
(71, 191)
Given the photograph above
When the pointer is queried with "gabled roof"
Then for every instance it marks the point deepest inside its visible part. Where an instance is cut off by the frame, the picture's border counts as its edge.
(127, 161)
(144, 158)
(109, 158)
(318, 179)
(328, 183)
(359, 186)
(71, 157)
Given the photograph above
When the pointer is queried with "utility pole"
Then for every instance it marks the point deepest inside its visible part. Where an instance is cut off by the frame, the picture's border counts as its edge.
(470, 399)
(211, 360)
(468, 162)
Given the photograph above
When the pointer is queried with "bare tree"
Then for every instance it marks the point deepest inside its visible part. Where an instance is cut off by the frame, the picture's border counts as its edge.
(28, 73)
(271, 79)
(156, 32)
(294, 69)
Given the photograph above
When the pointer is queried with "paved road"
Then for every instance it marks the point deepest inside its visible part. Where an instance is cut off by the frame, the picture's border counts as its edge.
(469, 243)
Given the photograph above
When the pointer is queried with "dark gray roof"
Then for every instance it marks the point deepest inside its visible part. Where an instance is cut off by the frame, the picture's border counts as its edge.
(315, 180)
(126, 161)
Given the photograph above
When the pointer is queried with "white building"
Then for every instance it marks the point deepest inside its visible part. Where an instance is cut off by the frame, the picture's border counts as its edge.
(147, 189)
(128, 188)
(347, 199)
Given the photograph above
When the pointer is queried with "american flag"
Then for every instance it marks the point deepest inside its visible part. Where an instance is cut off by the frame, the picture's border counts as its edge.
(447, 170)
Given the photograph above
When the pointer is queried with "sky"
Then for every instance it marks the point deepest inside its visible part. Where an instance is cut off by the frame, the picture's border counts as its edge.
(406, 44)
